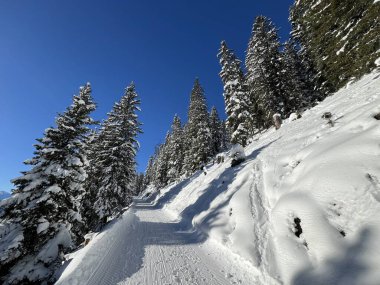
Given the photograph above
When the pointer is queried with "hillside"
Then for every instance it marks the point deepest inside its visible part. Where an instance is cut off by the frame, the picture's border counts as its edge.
(4, 195)
(304, 208)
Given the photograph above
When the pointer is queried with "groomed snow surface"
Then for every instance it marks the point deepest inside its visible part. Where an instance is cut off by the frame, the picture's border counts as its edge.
(304, 208)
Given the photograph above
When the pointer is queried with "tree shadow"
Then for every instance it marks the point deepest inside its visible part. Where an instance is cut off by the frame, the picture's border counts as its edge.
(151, 204)
(346, 269)
(214, 189)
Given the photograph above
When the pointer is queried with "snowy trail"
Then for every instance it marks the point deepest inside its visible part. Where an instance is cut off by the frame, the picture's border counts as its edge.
(147, 246)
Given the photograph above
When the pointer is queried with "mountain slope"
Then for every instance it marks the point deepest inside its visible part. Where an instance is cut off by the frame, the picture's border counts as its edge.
(304, 208)
(4, 195)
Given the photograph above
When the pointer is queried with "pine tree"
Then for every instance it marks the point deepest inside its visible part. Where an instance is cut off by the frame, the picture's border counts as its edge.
(175, 150)
(297, 79)
(263, 71)
(42, 220)
(139, 184)
(237, 102)
(197, 132)
(149, 172)
(162, 164)
(342, 42)
(216, 128)
(92, 183)
(226, 137)
(116, 156)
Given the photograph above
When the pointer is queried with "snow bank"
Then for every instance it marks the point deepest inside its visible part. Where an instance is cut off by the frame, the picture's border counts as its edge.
(305, 205)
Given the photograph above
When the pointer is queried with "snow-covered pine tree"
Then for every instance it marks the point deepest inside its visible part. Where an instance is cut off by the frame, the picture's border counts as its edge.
(197, 132)
(216, 128)
(139, 184)
(226, 137)
(162, 164)
(92, 185)
(42, 220)
(175, 150)
(263, 67)
(236, 99)
(342, 42)
(116, 156)
(298, 83)
(149, 172)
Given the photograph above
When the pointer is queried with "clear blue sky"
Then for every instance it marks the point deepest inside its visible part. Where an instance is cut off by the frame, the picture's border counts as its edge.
(49, 48)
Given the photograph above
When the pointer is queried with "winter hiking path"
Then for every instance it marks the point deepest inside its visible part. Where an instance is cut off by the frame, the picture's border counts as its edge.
(148, 246)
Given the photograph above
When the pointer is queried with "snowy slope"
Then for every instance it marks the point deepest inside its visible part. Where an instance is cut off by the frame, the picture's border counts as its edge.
(4, 195)
(304, 208)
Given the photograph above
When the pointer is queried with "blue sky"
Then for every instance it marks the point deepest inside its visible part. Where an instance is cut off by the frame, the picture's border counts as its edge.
(50, 48)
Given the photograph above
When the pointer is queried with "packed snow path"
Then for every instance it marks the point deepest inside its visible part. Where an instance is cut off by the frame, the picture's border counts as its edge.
(146, 246)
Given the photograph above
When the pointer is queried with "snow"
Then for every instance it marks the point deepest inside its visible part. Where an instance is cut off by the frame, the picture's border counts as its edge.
(43, 225)
(237, 152)
(341, 49)
(303, 208)
(32, 267)
(293, 117)
(377, 61)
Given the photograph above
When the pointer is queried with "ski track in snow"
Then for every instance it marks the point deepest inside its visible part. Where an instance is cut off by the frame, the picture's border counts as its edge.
(147, 247)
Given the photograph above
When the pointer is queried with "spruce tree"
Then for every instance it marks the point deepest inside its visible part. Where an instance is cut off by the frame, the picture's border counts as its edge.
(175, 150)
(297, 79)
(149, 172)
(342, 42)
(216, 128)
(226, 137)
(236, 100)
(116, 156)
(162, 164)
(139, 184)
(197, 132)
(92, 185)
(263, 67)
(42, 220)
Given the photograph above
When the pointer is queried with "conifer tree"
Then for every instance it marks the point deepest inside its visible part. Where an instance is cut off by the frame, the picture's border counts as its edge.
(216, 128)
(342, 42)
(263, 67)
(139, 184)
(226, 137)
(149, 172)
(42, 220)
(197, 132)
(237, 102)
(297, 79)
(116, 155)
(162, 164)
(175, 150)
(92, 184)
